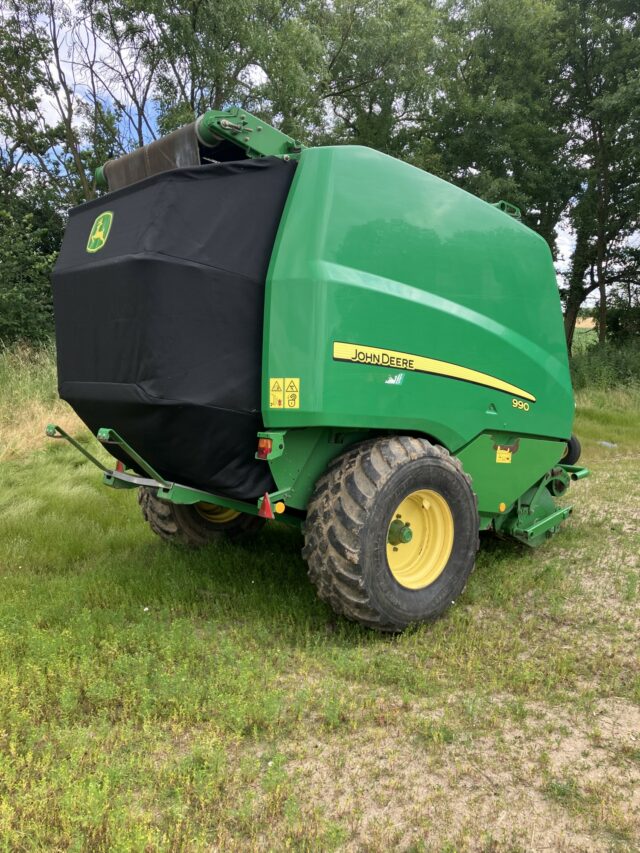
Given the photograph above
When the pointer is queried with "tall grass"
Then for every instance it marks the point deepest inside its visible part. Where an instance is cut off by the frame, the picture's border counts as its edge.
(607, 366)
(28, 397)
(583, 339)
(26, 373)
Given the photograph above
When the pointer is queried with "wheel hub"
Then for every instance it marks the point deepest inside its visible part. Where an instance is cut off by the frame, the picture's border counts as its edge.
(216, 514)
(420, 539)
(400, 533)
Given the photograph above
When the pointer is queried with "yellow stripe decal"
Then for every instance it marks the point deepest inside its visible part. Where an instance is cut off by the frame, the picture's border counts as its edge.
(378, 357)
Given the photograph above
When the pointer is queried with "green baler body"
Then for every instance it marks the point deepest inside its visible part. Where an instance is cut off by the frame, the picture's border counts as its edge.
(376, 254)
(394, 302)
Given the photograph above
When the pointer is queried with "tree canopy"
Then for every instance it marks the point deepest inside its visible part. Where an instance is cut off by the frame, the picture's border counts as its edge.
(533, 101)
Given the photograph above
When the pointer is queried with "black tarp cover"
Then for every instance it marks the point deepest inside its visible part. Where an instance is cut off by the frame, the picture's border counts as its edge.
(159, 333)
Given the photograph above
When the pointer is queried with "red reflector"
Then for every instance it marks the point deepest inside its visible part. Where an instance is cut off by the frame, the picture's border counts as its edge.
(265, 446)
(265, 510)
(119, 467)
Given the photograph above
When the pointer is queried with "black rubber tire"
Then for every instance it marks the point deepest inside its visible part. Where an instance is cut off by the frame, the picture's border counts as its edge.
(347, 523)
(573, 451)
(183, 525)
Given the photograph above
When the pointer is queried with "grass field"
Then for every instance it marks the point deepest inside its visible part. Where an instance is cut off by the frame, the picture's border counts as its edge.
(158, 699)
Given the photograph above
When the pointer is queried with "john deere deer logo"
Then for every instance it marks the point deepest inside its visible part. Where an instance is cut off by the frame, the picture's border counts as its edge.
(100, 231)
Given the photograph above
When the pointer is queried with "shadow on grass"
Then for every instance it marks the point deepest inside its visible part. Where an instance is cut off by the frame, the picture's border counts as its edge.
(94, 540)
(261, 584)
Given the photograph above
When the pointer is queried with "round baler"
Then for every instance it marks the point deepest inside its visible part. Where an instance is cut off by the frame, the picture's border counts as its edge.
(327, 336)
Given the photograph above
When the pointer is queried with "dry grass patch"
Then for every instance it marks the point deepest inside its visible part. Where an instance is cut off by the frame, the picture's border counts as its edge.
(24, 432)
(29, 400)
(552, 779)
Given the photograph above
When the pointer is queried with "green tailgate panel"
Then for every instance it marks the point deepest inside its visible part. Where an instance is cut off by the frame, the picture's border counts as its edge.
(396, 301)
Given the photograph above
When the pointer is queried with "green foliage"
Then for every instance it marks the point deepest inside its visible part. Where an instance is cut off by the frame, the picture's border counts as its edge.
(534, 101)
(623, 323)
(600, 61)
(25, 292)
(372, 54)
(500, 126)
(607, 366)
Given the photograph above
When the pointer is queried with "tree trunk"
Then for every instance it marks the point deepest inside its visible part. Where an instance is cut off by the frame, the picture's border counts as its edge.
(602, 312)
(602, 165)
(577, 290)
(574, 301)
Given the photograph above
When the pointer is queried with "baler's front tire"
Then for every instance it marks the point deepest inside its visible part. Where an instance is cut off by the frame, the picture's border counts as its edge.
(194, 525)
(391, 532)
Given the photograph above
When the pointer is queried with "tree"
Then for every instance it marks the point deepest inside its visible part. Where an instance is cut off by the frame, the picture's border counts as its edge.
(601, 77)
(51, 129)
(534, 101)
(377, 73)
(499, 121)
(25, 269)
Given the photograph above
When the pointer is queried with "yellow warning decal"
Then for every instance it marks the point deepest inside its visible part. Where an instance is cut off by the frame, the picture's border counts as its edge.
(503, 456)
(292, 393)
(378, 357)
(284, 392)
(276, 393)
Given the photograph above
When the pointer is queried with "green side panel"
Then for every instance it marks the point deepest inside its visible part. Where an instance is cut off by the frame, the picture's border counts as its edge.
(376, 253)
(502, 467)
(307, 453)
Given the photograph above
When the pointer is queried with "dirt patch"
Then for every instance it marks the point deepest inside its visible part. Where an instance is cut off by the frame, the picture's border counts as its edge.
(619, 721)
(392, 793)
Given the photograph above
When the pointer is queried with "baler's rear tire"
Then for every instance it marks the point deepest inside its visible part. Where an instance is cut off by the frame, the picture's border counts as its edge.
(197, 524)
(572, 452)
(391, 532)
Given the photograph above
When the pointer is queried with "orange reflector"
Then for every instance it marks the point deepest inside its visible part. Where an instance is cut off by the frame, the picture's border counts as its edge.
(280, 507)
(502, 507)
(265, 446)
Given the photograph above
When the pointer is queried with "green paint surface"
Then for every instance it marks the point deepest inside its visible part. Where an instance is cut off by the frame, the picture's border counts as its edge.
(504, 482)
(376, 253)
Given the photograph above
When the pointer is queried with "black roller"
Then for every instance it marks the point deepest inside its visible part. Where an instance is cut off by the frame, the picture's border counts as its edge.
(177, 150)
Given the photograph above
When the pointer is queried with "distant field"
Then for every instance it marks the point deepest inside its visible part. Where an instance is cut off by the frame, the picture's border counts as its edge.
(585, 323)
(160, 699)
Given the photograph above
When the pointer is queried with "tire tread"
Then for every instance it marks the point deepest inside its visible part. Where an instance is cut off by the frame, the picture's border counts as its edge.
(336, 515)
(181, 525)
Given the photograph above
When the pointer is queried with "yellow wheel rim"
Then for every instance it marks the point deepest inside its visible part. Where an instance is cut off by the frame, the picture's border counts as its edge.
(420, 539)
(216, 514)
